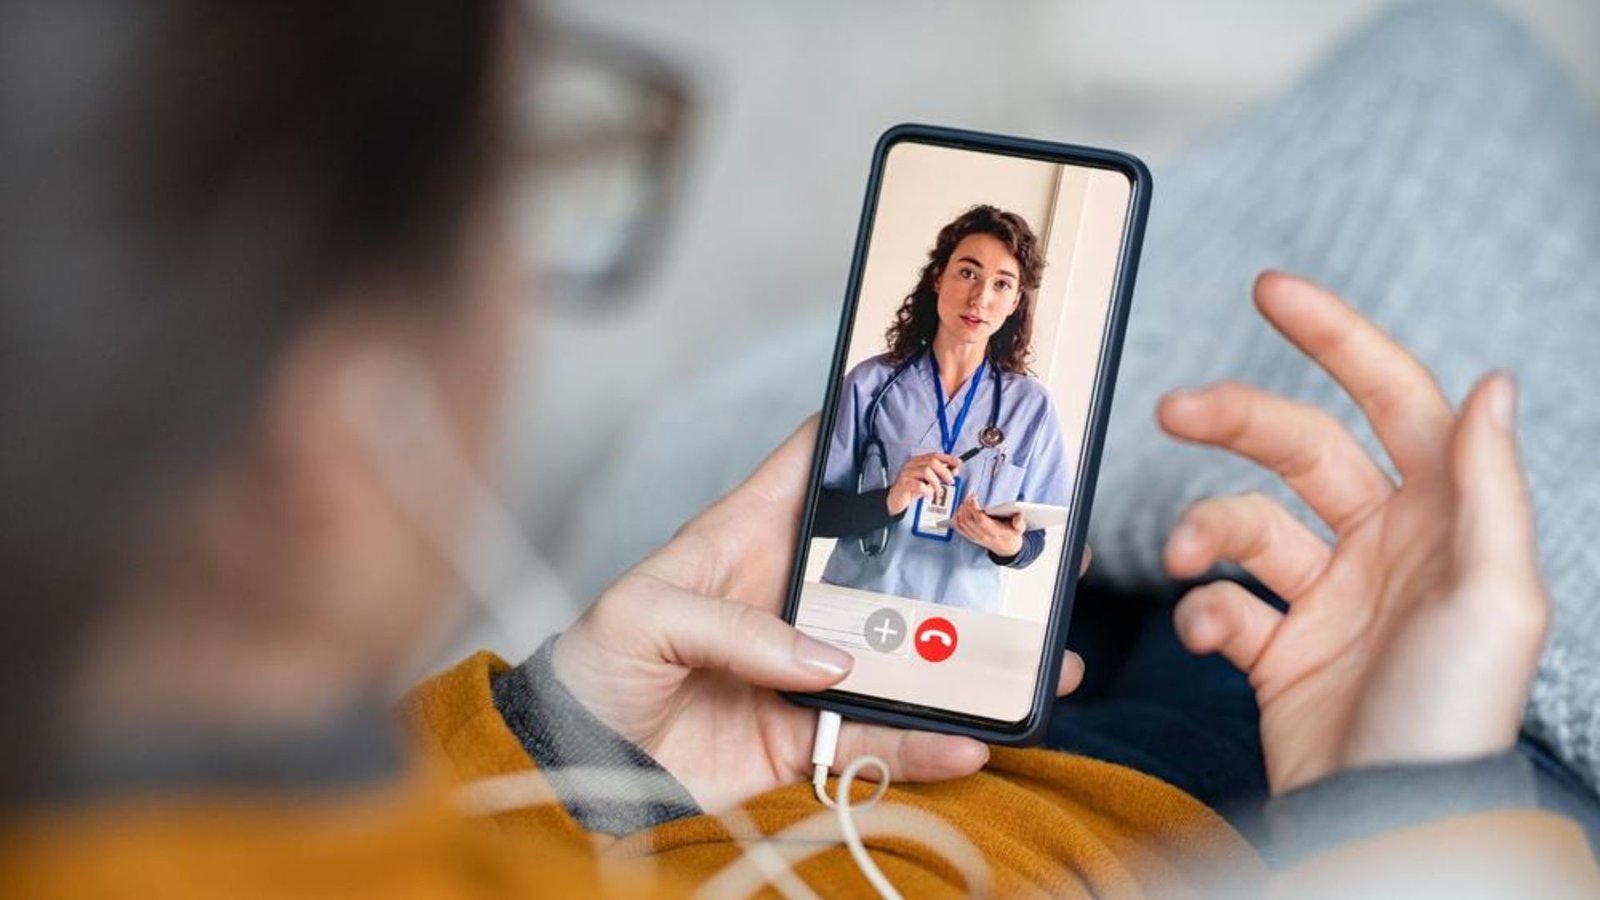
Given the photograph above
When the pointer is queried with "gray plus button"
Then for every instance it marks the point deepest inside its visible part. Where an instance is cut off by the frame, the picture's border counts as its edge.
(885, 630)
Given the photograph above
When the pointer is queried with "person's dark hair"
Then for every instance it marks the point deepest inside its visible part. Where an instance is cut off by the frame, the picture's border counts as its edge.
(917, 319)
(188, 184)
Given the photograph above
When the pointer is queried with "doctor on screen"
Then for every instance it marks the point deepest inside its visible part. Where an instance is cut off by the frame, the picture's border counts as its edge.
(944, 425)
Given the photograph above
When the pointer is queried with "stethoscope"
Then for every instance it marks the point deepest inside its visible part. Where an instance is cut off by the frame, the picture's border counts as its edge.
(990, 437)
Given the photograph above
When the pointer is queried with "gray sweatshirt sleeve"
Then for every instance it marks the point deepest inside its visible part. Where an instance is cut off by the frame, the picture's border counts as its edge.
(1362, 803)
(563, 737)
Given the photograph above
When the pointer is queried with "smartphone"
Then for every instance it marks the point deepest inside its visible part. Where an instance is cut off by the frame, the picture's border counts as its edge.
(969, 392)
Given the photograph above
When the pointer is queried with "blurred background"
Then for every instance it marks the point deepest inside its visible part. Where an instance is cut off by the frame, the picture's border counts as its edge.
(786, 102)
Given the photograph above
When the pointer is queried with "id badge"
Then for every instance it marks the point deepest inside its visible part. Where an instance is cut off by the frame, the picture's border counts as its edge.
(932, 517)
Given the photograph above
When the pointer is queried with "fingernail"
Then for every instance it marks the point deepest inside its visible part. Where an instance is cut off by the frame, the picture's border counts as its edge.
(1192, 625)
(1184, 533)
(1193, 394)
(823, 659)
(1503, 401)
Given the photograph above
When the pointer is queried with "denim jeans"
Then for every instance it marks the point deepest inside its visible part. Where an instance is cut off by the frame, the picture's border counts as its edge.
(1192, 721)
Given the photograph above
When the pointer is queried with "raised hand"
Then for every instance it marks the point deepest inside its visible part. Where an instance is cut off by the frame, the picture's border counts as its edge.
(1415, 635)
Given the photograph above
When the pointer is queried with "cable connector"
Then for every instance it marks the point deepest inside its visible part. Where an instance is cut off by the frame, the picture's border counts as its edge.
(823, 748)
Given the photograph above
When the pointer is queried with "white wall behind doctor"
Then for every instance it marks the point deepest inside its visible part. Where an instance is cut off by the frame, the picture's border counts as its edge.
(1085, 240)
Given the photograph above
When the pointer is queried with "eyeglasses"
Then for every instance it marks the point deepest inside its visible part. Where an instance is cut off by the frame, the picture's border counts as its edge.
(601, 126)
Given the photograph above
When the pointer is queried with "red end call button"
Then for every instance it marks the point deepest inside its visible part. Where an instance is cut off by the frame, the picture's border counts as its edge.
(936, 639)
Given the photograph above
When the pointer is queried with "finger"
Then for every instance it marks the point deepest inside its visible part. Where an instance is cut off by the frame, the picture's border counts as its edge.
(984, 534)
(918, 484)
(773, 493)
(1254, 531)
(945, 460)
(1494, 538)
(751, 644)
(1088, 556)
(982, 526)
(782, 477)
(963, 513)
(1016, 523)
(911, 755)
(1400, 397)
(1309, 449)
(1071, 674)
(1222, 617)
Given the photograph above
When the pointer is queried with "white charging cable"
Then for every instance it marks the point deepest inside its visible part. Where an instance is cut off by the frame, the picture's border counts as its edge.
(823, 749)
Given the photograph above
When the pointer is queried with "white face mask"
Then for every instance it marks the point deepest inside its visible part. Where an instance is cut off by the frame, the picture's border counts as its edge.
(399, 412)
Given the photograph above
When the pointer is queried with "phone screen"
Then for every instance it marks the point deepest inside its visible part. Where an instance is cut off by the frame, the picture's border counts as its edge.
(970, 374)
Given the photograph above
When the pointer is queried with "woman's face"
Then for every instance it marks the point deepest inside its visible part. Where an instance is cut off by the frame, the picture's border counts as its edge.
(311, 559)
(978, 289)
(468, 358)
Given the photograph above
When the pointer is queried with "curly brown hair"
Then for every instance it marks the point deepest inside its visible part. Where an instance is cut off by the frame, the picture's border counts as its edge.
(917, 320)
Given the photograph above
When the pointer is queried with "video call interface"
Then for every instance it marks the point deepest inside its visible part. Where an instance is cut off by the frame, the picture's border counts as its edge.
(940, 526)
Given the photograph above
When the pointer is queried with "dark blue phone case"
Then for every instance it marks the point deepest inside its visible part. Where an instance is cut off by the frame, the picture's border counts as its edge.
(1030, 729)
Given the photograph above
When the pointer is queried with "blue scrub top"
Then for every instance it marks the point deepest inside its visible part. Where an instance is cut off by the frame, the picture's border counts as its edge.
(959, 572)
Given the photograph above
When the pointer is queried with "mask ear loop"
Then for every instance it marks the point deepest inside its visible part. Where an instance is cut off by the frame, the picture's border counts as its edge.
(395, 408)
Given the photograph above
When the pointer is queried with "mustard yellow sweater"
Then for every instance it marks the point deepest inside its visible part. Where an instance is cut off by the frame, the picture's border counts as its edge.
(1045, 823)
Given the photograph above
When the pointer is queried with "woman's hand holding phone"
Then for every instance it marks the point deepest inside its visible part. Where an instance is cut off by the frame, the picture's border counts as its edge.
(1415, 636)
(920, 477)
(683, 655)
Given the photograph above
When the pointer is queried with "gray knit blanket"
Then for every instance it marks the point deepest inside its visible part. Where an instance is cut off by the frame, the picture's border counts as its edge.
(1439, 170)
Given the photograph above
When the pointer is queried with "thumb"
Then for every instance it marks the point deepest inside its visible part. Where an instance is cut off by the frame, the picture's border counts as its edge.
(749, 643)
(781, 477)
(1494, 537)
(705, 549)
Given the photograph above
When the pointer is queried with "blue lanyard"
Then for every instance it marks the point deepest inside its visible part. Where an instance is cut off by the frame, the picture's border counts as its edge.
(946, 433)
